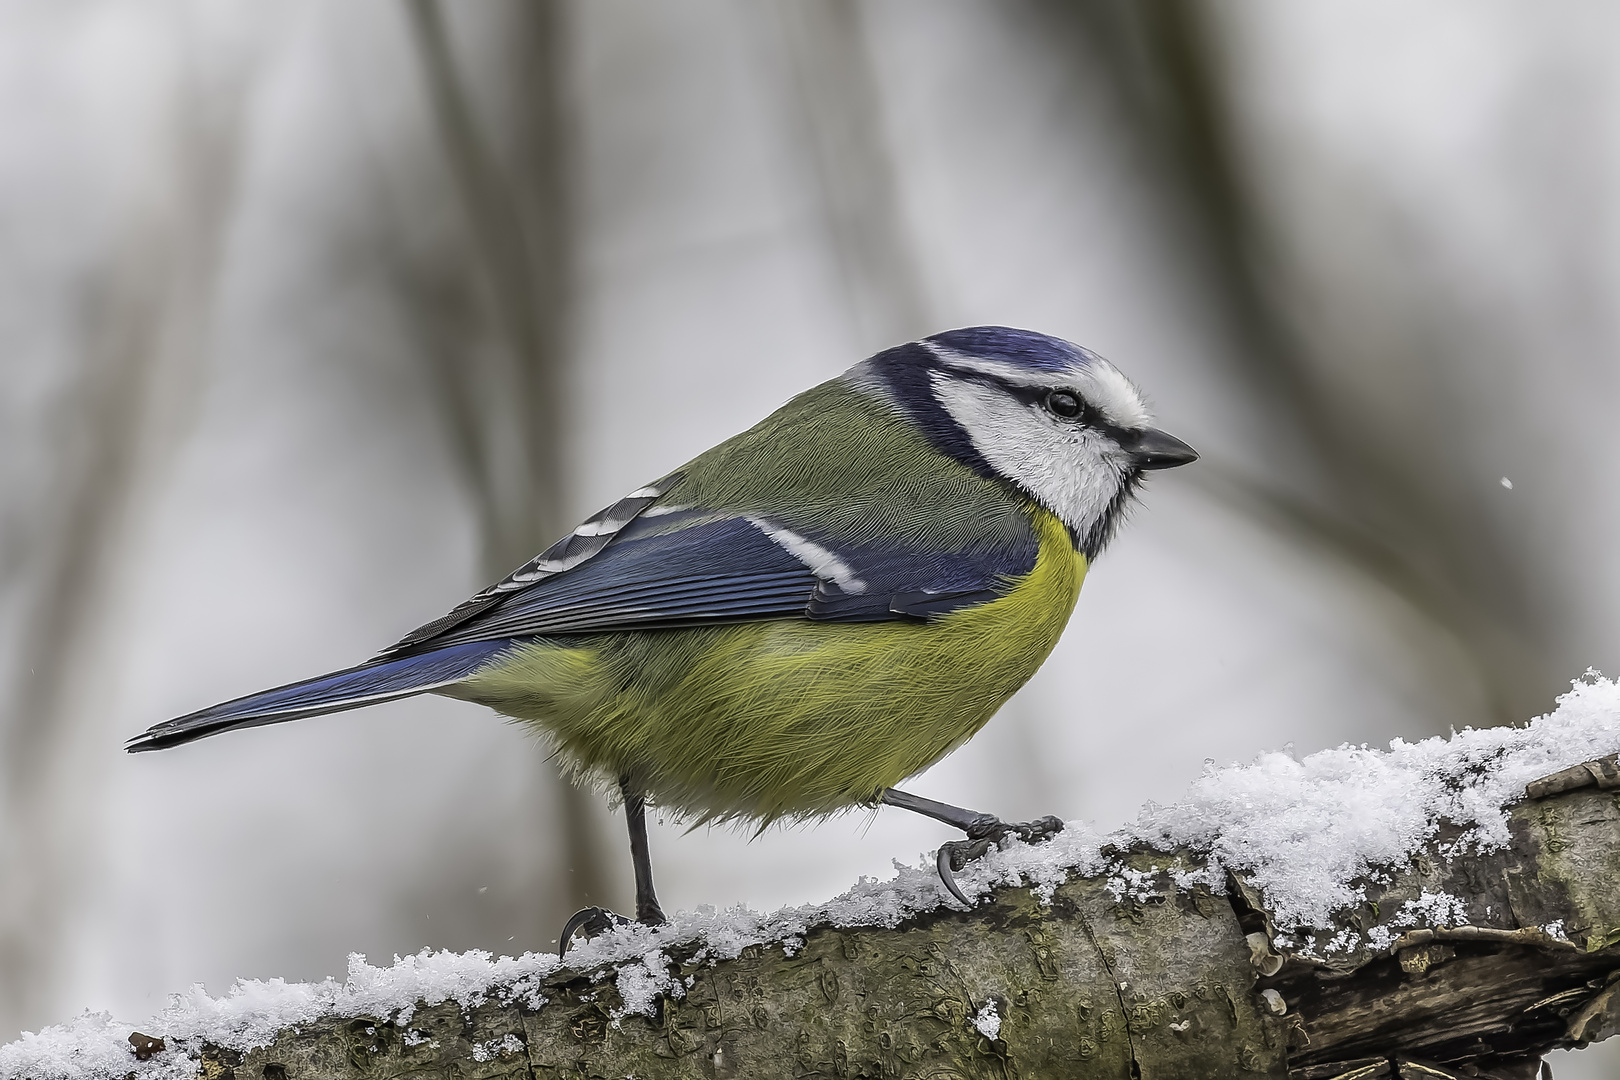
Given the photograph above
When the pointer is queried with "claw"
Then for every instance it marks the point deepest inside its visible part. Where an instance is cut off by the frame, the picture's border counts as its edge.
(952, 857)
(956, 854)
(948, 877)
(592, 920)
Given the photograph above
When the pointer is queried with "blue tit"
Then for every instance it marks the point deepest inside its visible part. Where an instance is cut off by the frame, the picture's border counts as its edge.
(803, 616)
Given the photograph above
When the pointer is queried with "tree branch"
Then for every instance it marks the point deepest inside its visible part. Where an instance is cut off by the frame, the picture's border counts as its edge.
(1121, 975)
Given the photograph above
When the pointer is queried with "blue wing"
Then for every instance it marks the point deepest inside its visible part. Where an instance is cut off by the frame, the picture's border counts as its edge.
(725, 570)
(694, 567)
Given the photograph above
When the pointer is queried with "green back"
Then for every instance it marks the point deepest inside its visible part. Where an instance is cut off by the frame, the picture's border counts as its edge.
(842, 460)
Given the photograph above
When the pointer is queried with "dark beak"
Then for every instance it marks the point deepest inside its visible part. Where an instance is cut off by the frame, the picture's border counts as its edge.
(1155, 449)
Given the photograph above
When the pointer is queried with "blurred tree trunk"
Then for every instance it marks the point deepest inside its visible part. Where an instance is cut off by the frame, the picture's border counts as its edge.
(502, 389)
(141, 344)
(851, 153)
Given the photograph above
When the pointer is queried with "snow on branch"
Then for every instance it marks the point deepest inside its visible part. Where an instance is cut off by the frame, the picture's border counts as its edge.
(1345, 915)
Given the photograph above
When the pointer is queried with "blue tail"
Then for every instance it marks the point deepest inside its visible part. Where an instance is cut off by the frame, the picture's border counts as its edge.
(364, 685)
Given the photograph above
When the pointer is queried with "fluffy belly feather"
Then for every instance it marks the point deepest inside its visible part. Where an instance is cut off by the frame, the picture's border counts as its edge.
(785, 718)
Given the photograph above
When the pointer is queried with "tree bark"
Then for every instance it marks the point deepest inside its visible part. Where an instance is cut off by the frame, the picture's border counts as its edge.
(1170, 983)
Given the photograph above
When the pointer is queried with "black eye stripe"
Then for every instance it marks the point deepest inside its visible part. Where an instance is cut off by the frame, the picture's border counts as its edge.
(1089, 415)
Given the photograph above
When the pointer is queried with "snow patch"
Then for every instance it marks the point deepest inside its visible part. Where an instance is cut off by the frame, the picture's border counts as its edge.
(988, 1021)
(507, 1045)
(1433, 909)
(1302, 831)
(641, 983)
(92, 1045)
(1136, 885)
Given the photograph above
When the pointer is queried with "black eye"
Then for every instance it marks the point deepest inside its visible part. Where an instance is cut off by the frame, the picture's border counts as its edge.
(1064, 404)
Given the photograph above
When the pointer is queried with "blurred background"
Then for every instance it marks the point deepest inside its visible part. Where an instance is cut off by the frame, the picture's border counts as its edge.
(316, 318)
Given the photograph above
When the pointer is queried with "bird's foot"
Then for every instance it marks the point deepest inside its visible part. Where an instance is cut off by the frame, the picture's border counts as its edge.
(984, 832)
(594, 921)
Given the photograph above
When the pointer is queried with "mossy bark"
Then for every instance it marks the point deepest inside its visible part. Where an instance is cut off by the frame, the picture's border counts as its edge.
(1170, 984)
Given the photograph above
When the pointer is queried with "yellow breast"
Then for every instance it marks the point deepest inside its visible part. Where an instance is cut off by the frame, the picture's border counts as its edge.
(794, 717)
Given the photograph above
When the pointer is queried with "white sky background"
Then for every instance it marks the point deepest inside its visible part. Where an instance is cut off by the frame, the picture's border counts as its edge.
(1437, 189)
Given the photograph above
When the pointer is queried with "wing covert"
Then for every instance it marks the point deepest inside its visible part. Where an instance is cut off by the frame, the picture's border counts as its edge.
(701, 571)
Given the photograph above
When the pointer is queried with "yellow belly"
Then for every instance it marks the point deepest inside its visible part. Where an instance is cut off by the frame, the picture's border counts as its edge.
(786, 718)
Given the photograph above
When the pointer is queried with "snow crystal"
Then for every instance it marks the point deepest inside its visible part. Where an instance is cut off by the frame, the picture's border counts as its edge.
(988, 1021)
(1433, 909)
(505, 1046)
(1301, 831)
(1131, 884)
(642, 983)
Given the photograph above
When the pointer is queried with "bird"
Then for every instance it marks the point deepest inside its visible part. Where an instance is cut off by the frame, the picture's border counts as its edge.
(802, 617)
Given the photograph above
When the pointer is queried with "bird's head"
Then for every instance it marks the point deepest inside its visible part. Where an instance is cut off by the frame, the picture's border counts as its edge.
(1056, 421)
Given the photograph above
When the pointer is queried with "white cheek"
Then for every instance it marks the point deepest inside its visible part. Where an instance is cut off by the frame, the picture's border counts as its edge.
(1075, 474)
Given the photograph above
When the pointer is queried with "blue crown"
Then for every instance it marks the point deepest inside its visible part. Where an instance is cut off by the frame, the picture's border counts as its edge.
(1026, 348)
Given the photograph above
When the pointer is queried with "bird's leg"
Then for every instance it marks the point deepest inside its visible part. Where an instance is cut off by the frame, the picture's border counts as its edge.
(635, 816)
(983, 830)
(596, 920)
